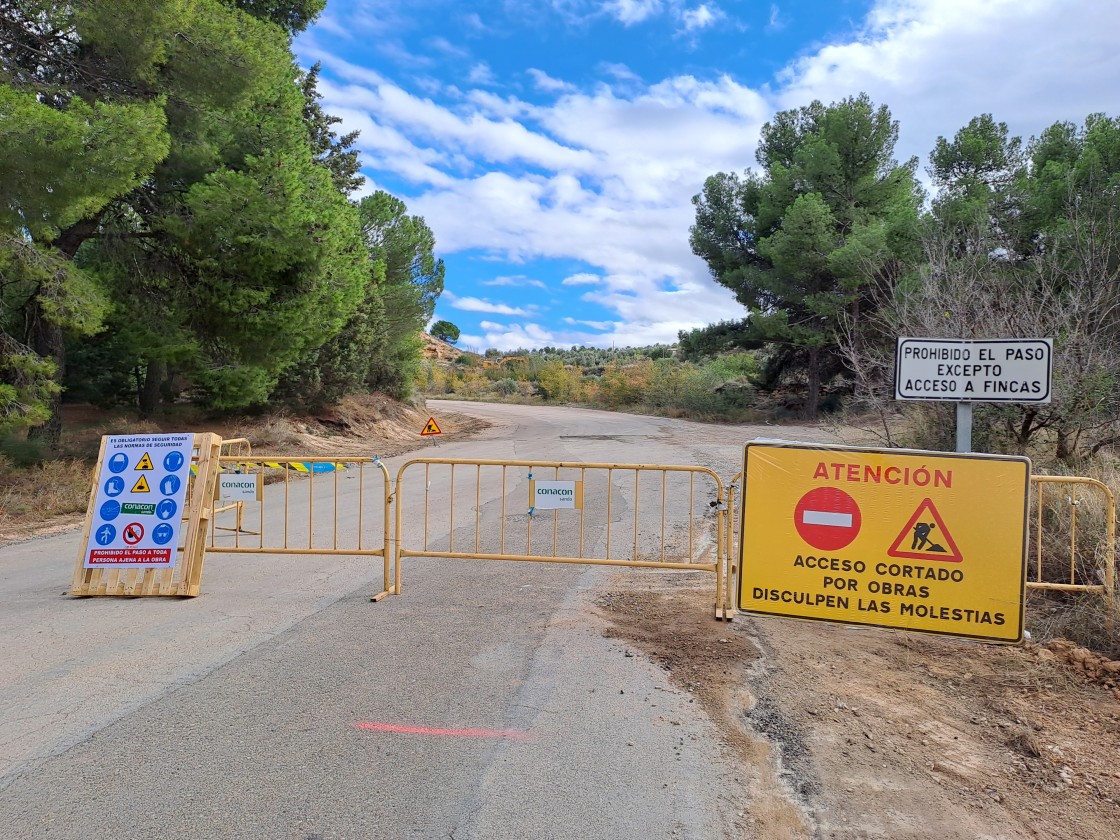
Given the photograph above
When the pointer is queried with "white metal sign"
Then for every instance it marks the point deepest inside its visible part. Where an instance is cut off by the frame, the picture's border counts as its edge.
(555, 495)
(1015, 370)
(239, 487)
(141, 488)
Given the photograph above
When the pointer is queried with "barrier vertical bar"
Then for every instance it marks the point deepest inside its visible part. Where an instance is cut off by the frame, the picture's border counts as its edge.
(451, 507)
(310, 507)
(503, 549)
(610, 485)
(636, 474)
(664, 478)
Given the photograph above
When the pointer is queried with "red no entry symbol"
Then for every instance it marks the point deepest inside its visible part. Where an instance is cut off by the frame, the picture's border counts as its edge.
(827, 518)
(133, 533)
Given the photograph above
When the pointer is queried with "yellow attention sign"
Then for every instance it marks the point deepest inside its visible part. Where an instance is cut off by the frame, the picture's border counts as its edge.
(430, 428)
(925, 541)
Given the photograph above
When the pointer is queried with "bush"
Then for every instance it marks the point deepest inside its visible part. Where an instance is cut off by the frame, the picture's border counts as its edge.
(21, 452)
(507, 387)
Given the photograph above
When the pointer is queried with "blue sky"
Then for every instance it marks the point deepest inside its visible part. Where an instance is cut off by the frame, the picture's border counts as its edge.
(553, 146)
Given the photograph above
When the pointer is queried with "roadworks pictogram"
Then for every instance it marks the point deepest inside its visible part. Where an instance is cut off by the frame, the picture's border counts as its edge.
(925, 537)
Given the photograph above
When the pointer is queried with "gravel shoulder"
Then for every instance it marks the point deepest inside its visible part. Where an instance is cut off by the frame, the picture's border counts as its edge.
(872, 733)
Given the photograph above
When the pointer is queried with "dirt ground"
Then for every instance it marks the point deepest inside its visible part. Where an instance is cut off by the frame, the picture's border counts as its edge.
(880, 734)
(852, 733)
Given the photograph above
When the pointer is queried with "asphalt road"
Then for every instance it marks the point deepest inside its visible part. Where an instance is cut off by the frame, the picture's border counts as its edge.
(484, 702)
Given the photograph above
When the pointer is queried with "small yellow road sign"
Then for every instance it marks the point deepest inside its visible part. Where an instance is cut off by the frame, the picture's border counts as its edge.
(431, 428)
(925, 541)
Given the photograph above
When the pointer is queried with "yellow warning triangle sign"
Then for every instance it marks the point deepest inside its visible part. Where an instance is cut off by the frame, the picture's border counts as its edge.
(430, 428)
(925, 537)
(145, 463)
(141, 485)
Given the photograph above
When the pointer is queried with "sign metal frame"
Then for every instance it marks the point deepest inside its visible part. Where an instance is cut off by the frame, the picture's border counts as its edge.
(960, 365)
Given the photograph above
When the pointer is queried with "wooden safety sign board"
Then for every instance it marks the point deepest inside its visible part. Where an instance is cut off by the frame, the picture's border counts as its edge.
(931, 542)
(145, 526)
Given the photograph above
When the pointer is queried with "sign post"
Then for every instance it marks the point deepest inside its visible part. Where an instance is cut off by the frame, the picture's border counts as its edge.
(931, 542)
(1014, 370)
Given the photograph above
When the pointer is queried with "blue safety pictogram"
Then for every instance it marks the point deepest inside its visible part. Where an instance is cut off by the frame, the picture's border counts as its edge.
(110, 510)
(118, 462)
(173, 461)
(166, 509)
(162, 534)
(105, 534)
(114, 486)
(169, 485)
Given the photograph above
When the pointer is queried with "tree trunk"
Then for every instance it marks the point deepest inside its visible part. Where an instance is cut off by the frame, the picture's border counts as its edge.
(813, 398)
(45, 338)
(1064, 452)
(149, 396)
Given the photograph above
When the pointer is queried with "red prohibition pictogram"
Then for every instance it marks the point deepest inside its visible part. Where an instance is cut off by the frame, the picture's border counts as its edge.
(133, 532)
(827, 518)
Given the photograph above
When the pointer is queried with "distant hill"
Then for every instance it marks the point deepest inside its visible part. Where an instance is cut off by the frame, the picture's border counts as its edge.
(442, 351)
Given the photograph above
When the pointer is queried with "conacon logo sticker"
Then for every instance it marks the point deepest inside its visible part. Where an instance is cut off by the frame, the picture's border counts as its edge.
(555, 495)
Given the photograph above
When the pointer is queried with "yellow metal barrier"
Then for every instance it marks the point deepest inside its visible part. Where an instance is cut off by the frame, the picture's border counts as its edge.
(651, 516)
(344, 515)
(1089, 534)
(731, 540)
(237, 448)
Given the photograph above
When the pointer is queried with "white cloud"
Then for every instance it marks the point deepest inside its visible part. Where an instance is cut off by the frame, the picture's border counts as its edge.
(473, 21)
(595, 325)
(620, 72)
(629, 12)
(509, 336)
(582, 280)
(776, 21)
(519, 281)
(545, 82)
(701, 17)
(473, 304)
(481, 74)
(441, 44)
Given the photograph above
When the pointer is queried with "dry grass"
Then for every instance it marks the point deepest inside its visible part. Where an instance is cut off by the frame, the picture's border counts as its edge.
(1086, 619)
(51, 489)
(270, 433)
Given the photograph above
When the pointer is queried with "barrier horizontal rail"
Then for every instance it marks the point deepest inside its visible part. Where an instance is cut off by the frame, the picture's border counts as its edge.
(631, 515)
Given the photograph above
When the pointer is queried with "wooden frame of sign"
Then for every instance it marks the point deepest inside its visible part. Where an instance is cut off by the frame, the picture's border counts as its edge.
(184, 578)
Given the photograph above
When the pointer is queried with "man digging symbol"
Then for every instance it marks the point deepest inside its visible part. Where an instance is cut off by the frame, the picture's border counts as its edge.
(922, 542)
